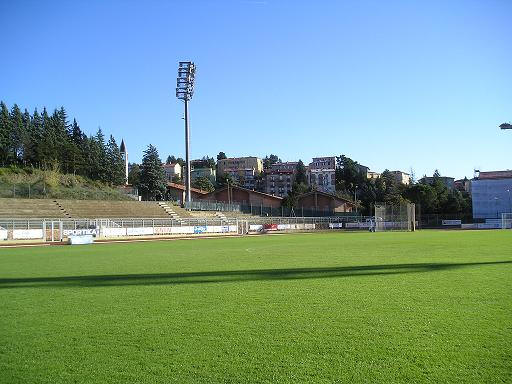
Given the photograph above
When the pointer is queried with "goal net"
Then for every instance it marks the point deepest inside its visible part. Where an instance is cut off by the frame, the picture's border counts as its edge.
(390, 217)
(506, 220)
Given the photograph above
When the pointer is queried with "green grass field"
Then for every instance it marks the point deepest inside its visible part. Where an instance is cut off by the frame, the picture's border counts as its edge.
(335, 307)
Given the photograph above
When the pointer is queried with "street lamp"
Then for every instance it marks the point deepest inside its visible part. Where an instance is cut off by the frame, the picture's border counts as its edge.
(184, 91)
(496, 198)
(509, 204)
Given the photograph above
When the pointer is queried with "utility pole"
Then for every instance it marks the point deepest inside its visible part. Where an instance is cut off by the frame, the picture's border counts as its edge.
(184, 91)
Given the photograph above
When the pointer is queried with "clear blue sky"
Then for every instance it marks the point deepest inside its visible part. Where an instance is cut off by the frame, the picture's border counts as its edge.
(391, 84)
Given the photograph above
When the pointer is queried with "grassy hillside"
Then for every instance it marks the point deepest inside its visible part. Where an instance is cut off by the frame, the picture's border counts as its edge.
(423, 307)
(37, 183)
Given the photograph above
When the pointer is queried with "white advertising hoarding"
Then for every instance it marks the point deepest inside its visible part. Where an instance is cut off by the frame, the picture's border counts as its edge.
(114, 232)
(27, 234)
(139, 231)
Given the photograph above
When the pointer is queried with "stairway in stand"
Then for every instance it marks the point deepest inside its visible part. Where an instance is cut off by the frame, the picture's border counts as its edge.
(62, 209)
(223, 217)
(170, 212)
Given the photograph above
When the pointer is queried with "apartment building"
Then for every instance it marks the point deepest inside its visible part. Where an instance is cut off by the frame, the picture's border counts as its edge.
(401, 177)
(279, 178)
(245, 170)
(321, 174)
(225, 166)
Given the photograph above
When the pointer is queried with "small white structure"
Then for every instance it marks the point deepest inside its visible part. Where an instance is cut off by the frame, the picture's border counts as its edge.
(124, 155)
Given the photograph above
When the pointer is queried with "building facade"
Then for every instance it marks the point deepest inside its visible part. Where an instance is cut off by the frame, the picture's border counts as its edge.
(279, 178)
(239, 163)
(209, 173)
(325, 202)
(172, 170)
(321, 174)
(245, 170)
(372, 175)
(491, 194)
(463, 185)
(243, 196)
(401, 177)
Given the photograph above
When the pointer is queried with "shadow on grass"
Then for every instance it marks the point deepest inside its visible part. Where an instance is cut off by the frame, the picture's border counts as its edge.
(232, 276)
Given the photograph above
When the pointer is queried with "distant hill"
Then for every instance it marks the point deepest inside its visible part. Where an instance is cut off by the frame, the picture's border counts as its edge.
(37, 183)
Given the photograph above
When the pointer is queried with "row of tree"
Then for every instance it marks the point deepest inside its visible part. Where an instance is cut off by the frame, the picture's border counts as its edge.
(50, 142)
(433, 198)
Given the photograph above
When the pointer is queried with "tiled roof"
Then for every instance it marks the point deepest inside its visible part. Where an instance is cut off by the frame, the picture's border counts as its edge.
(182, 187)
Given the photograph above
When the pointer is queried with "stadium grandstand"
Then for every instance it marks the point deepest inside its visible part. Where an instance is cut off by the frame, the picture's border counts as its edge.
(77, 209)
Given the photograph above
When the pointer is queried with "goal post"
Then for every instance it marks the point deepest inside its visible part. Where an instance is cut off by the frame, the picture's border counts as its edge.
(395, 217)
(506, 221)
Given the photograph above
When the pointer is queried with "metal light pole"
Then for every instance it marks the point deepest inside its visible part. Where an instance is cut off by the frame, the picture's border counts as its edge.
(184, 91)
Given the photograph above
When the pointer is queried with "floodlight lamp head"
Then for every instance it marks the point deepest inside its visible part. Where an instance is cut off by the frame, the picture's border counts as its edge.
(185, 80)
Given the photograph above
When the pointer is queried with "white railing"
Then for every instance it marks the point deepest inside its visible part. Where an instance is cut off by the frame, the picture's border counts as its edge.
(60, 229)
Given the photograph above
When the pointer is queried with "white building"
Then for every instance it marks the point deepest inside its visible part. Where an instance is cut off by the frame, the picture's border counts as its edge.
(172, 170)
(322, 174)
(124, 155)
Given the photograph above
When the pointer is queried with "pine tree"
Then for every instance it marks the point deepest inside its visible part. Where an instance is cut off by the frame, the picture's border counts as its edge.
(204, 184)
(64, 144)
(48, 147)
(102, 162)
(93, 158)
(4, 134)
(37, 135)
(27, 140)
(116, 174)
(16, 134)
(300, 177)
(76, 154)
(134, 175)
(152, 175)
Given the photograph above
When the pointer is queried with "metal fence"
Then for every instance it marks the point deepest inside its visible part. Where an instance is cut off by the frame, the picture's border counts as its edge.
(24, 190)
(506, 220)
(60, 229)
(212, 206)
(262, 210)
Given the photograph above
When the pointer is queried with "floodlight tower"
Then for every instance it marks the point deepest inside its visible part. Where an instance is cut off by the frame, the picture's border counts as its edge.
(184, 91)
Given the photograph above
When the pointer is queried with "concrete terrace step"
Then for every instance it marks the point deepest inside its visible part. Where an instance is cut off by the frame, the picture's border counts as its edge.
(170, 211)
